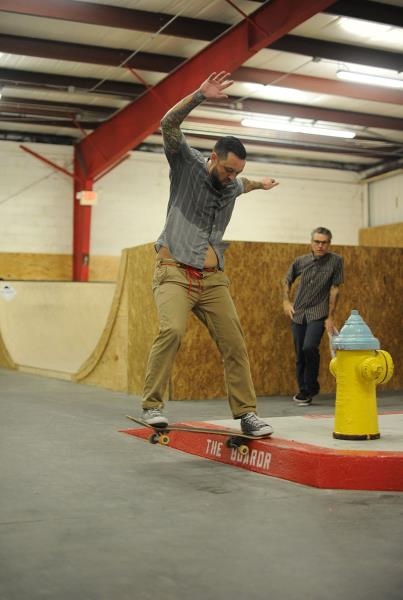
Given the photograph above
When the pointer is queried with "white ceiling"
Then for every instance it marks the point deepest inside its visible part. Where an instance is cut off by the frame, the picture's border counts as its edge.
(23, 119)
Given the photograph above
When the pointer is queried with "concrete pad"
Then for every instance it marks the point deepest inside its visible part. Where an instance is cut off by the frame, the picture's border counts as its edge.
(317, 430)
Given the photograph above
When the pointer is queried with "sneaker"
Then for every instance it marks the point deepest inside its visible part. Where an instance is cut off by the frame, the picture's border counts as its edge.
(252, 425)
(302, 399)
(153, 416)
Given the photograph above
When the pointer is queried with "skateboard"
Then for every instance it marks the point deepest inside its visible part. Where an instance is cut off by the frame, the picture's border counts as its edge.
(235, 438)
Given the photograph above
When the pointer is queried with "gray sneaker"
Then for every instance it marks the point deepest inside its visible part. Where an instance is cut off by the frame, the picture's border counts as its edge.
(302, 399)
(252, 425)
(153, 416)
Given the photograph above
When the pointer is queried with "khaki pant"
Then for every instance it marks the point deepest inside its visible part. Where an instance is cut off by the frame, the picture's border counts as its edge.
(176, 294)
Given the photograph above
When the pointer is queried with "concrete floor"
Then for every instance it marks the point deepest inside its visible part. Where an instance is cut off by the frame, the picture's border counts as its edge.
(88, 513)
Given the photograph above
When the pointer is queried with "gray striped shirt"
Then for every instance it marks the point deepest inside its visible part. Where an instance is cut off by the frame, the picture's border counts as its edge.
(198, 214)
(317, 275)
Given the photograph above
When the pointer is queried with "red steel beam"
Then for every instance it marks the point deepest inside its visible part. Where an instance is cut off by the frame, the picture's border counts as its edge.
(98, 55)
(81, 223)
(349, 53)
(251, 105)
(134, 123)
(319, 85)
(321, 114)
(299, 142)
(47, 161)
(369, 11)
(53, 81)
(115, 16)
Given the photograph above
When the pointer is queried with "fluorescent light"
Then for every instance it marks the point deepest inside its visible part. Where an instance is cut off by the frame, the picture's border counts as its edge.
(363, 28)
(370, 79)
(296, 128)
(285, 94)
(254, 87)
(367, 70)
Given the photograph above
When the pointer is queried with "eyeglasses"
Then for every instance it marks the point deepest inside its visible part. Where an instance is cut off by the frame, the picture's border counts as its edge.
(320, 242)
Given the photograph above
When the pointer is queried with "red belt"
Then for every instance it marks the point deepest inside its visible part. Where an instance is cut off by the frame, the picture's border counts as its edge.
(191, 273)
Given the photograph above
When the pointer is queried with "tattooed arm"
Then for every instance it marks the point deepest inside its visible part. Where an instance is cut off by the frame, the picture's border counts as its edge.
(213, 87)
(170, 123)
(267, 183)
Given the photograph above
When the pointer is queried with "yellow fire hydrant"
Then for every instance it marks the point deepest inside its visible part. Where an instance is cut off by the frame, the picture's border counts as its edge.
(359, 365)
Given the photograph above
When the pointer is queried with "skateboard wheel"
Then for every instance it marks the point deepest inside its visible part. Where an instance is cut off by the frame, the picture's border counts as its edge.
(243, 449)
(154, 438)
(164, 439)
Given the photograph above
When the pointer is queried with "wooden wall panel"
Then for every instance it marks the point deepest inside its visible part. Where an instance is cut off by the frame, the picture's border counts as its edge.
(35, 267)
(107, 366)
(373, 285)
(54, 267)
(382, 235)
(5, 359)
(143, 322)
(104, 268)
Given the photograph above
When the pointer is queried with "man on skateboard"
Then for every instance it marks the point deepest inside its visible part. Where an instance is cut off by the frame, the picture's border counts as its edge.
(189, 273)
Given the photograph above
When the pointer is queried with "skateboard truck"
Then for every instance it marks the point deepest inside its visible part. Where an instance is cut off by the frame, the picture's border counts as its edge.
(159, 438)
(238, 443)
(162, 438)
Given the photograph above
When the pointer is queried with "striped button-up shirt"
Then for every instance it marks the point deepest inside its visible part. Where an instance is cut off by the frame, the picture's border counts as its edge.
(317, 276)
(198, 213)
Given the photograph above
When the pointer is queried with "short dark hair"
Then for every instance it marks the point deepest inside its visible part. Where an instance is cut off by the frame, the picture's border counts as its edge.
(322, 231)
(228, 144)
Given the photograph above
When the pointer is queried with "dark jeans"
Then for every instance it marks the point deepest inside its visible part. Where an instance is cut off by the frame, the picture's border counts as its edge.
(307, 337)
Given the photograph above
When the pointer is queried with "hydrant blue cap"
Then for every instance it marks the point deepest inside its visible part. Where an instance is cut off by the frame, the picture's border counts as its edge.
(355, 335)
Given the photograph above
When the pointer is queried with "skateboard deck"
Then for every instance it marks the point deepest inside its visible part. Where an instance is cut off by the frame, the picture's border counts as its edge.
(236, 438)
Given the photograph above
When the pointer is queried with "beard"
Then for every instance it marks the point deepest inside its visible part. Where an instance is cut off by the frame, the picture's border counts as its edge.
(215, 179)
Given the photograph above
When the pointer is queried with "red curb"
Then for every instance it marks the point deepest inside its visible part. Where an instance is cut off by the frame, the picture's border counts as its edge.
(301, 463)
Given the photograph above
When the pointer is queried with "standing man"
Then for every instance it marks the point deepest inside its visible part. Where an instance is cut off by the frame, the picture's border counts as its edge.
(321, 274)
(189, 274)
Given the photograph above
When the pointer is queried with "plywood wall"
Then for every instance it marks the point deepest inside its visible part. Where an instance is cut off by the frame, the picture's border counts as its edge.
(373, 285)
(108, 364)
(54, 267)
(256, 271)
(382, 235)
(5, 359)
(35, 267)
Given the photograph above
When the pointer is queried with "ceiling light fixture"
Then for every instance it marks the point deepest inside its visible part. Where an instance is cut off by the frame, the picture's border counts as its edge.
(363, 28)
(370, 79)
(297, 128)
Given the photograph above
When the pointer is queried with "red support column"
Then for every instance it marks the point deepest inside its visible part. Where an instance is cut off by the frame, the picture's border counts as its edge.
(81, 224)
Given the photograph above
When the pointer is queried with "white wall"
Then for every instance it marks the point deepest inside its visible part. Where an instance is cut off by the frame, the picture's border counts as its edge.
(36, 208)
(385, 198)
(306, 198)
(132, 204)
(133, 199)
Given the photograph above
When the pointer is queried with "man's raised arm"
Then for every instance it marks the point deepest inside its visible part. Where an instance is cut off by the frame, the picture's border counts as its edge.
(213, 87)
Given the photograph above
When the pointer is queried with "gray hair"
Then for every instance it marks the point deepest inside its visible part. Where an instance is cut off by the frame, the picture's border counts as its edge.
(322, 231)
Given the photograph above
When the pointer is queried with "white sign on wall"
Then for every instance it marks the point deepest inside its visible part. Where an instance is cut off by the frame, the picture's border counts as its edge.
(7, 292)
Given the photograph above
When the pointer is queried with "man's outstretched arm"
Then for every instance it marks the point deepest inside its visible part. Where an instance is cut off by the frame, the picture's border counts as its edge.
(267, 183)
(213, 87)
